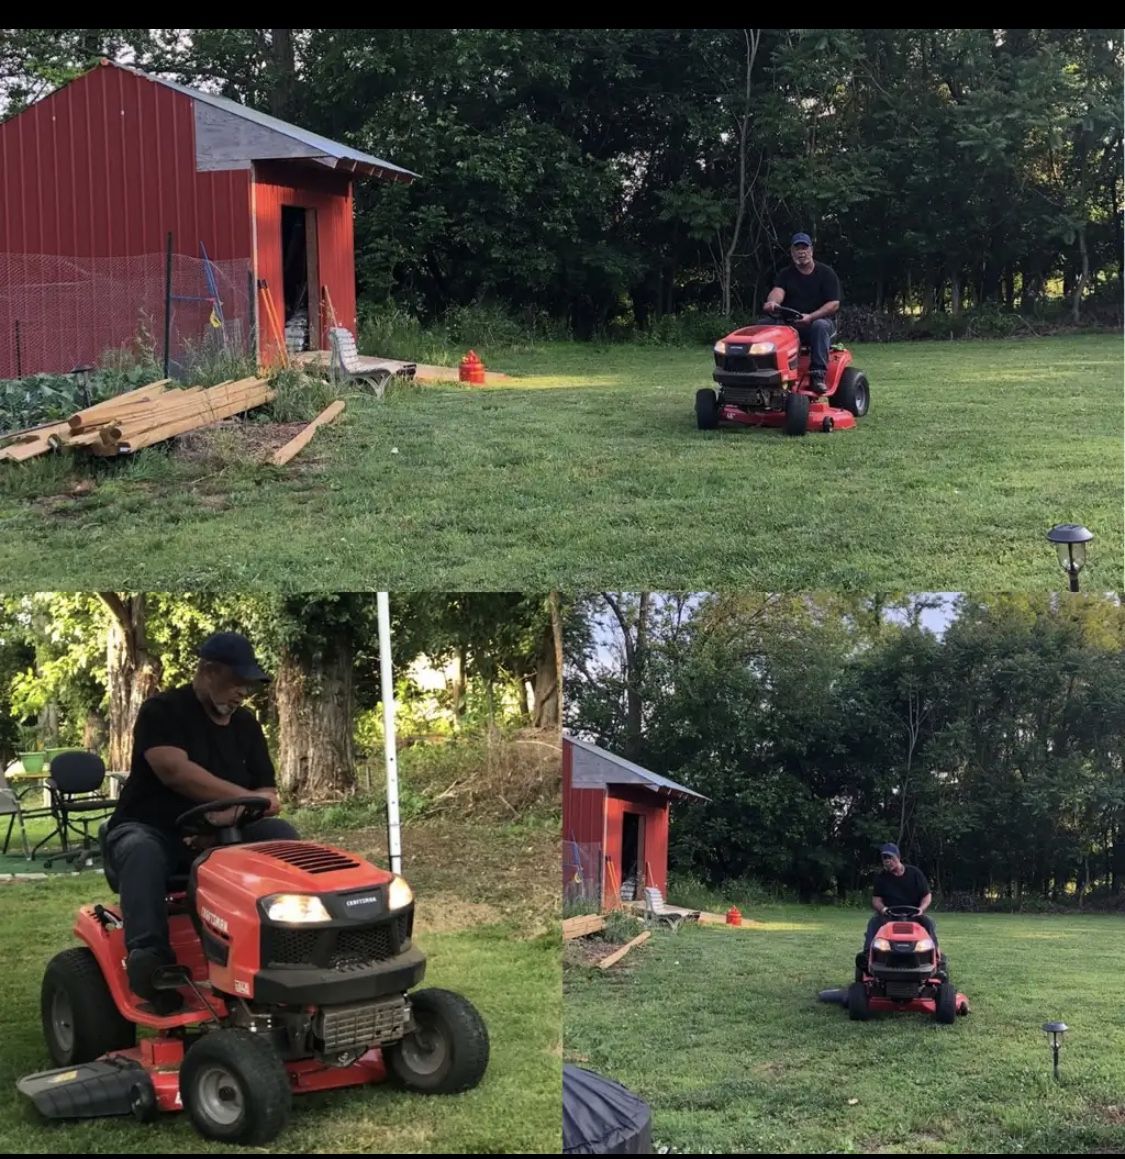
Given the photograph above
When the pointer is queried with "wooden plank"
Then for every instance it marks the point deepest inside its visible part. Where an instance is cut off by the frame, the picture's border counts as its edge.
(202, 404)
(192, 422)
(99, 409)
(617, 955)
(582, 926)
(284, 454)
(133, 407)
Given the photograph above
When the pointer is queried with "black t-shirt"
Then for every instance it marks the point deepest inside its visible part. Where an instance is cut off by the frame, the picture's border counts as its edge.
(909, 889)
(808, 292)
(235, 752)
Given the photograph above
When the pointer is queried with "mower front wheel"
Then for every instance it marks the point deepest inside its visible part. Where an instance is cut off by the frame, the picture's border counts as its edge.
(797, 413)
(945, 1009)
(448, 1049)
(80, 1018)
(234, 1087)
(706, 409)
(858, 1009)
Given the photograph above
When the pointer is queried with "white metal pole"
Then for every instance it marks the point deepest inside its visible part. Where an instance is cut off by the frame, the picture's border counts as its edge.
(393, 836)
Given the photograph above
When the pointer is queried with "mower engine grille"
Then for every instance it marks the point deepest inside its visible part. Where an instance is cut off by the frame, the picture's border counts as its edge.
(307, 856)
(902, 928)
(341, 948)
(745, 362)
(366, 944)
(901, 960)
(903, 991)
(361, 1024)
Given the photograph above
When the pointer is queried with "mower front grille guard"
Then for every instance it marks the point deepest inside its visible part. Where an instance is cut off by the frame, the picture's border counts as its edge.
(361, 1024)
(340, 948)
(891, 963)
(744, 362)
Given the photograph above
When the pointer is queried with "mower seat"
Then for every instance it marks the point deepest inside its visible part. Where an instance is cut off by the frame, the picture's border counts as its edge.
(177, 883)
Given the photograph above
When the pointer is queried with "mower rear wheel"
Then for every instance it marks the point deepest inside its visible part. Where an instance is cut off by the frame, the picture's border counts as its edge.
(853, 394)
(80, 1018)
(858, 1009)
(706, 409)
(234, 1087)
(448, 1050)
(945, 1009)
(797, 414)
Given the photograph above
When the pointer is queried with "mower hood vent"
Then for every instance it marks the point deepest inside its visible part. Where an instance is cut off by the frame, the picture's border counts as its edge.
(307, 856)
(904, 928)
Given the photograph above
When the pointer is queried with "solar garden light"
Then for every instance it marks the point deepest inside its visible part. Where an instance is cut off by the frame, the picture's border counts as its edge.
(1070, 541)
(1055, 1032)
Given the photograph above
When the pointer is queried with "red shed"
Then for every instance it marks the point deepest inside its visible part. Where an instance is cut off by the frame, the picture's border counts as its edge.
(94, 178)
(615, 824)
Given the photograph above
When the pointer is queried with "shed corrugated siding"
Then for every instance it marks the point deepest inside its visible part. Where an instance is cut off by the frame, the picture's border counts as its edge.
(330, 194)
(583, 809)
(656, 817)
(105, 167)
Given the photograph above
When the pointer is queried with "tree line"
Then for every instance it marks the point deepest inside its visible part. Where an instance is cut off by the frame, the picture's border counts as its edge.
(601, 179)
(75, 668)
(988, 742)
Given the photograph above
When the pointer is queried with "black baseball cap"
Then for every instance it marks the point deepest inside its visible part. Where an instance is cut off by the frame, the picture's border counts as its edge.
(234, 650)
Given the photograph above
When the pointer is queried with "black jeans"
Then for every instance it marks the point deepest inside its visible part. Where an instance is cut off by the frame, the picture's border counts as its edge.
(878, 920)
(144, 858)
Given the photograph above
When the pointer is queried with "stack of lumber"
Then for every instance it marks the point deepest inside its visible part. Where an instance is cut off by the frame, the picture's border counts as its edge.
(140, 418)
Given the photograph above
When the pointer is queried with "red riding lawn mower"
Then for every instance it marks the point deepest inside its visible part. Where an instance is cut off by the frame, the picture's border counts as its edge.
(294, 959)
(762, 373)
(902, 970)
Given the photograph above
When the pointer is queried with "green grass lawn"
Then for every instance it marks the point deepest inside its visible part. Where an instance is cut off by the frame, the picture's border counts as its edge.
(588, 469)
(720, 1031)
(480, 941)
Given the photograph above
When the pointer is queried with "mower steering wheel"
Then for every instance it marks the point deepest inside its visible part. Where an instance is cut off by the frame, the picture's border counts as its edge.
(195, 820)
(901, 913)
(781, 311)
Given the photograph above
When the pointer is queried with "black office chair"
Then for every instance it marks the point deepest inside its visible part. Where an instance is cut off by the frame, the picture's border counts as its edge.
(74, 777)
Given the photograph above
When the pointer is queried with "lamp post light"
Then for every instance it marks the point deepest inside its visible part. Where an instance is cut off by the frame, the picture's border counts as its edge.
(1055, 1032)
(1070, 541)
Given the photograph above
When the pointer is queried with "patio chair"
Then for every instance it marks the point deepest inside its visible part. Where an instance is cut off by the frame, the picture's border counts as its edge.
(76, 802)
(345, 363)
(658, 913)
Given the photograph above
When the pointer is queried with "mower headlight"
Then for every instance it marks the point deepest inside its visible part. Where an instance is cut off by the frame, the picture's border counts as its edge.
(923, 945)
(400, 894)
(296, 907)
(763, 348)
(882, 944)
(720, 348)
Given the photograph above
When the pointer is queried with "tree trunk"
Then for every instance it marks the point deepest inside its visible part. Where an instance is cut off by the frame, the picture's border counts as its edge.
(635, 640)
(283, 66)
(95, 732)
(557, 635)
(132, 674)
(955, 294)
(1084, 275)
(49, 725)
(459, 685)
(545, 713)
(753, 38)
(316, 713)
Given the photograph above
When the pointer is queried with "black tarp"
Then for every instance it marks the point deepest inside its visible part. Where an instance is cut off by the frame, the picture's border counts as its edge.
(601, 1117)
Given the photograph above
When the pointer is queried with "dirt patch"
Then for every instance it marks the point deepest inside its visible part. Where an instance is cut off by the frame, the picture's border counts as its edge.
(1113, 1114)
(446, 913)
(461, 871)
(252, 441)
